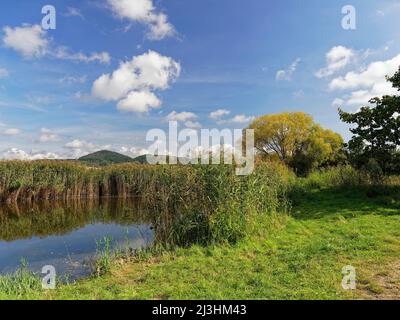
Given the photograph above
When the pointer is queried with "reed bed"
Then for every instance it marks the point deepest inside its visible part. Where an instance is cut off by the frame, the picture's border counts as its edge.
(189, 204)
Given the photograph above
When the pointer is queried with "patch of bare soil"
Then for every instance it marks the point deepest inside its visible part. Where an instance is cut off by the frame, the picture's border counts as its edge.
(383, 283)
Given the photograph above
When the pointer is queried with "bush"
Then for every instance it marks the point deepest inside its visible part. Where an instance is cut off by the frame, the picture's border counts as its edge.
(341, 176)
(374, 171)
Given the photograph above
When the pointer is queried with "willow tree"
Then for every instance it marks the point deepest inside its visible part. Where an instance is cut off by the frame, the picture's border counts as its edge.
(296, 139)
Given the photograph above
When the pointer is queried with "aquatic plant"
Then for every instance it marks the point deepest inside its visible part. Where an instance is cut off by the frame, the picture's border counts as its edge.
(20, 283)
(188, 204)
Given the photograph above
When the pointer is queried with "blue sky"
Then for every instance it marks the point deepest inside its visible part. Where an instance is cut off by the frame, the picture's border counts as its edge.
(60, 90)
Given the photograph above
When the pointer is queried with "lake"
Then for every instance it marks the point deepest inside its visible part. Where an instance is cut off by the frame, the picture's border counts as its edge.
(68, 234)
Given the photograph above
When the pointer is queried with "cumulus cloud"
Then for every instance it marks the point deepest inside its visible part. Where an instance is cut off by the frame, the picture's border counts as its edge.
(143, 11)
(287, 73)
(28, 40)
(31, 42)
(133, 82)
(188, 118)
(369, 83)
(73, 149)
(193, 124)
(11, 132)
(242, 118)
(78, 148)
(338, 102)
(3, 73)
(133, 151)
(73, 12)
(336, 59)
(64, 54)
(18, 154)
(238, 119)
(181, 116)
(79, 144)
(215, 115)
(139, 101)
(46, 135)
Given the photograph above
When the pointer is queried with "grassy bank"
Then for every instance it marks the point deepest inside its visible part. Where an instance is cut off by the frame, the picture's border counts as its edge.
(286, 257)
(232, 241)
(299, 258)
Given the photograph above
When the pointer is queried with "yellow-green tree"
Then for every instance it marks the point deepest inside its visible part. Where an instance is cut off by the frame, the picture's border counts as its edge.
(297, 140)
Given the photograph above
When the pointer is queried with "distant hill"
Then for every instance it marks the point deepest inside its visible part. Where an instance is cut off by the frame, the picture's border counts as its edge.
(105, 157)
(143, 159)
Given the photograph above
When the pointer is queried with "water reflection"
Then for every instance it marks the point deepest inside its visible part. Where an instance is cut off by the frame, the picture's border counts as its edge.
(64, 233)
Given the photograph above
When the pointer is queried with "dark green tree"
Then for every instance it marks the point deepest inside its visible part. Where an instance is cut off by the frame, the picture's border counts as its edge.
(376, 133)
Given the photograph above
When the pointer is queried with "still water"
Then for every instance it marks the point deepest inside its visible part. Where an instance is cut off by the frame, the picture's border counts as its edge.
(68, 235)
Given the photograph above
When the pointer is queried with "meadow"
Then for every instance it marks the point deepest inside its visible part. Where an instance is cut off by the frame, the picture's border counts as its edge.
(270, 235)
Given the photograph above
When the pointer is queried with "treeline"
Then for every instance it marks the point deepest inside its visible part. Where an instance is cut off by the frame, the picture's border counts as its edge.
(303, 145)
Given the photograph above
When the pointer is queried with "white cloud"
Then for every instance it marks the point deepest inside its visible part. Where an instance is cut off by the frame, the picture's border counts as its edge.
(18, 154)
(298, 94)
(47, 135)
(14, 154)
(79, 144)
(28, 40)
(368, 83)
(337, 102)
(143, 11)
(78, 148)
(136, 79)
(215, 115)
(337, 58)
(64, 54)
(181, 116)
(188, 118)
(3, 73)
(31, 41)
(133, 151)
(11, 132)
(72, 79)
(240, 118)
(375, 72)
(193, 124)
(73, 12)
(139, 101)
(150, 70)
(287, 74)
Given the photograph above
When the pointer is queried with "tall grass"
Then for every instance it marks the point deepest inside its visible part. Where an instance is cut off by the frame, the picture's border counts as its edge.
(341, 176)
(20, 283)
(189, 204)
(346, 179)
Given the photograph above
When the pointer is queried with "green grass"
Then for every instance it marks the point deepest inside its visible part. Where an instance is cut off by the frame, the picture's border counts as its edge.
(297, 257)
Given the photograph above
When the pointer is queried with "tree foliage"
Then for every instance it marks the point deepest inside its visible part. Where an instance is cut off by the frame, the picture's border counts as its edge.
(376, 134)
(297, 140)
